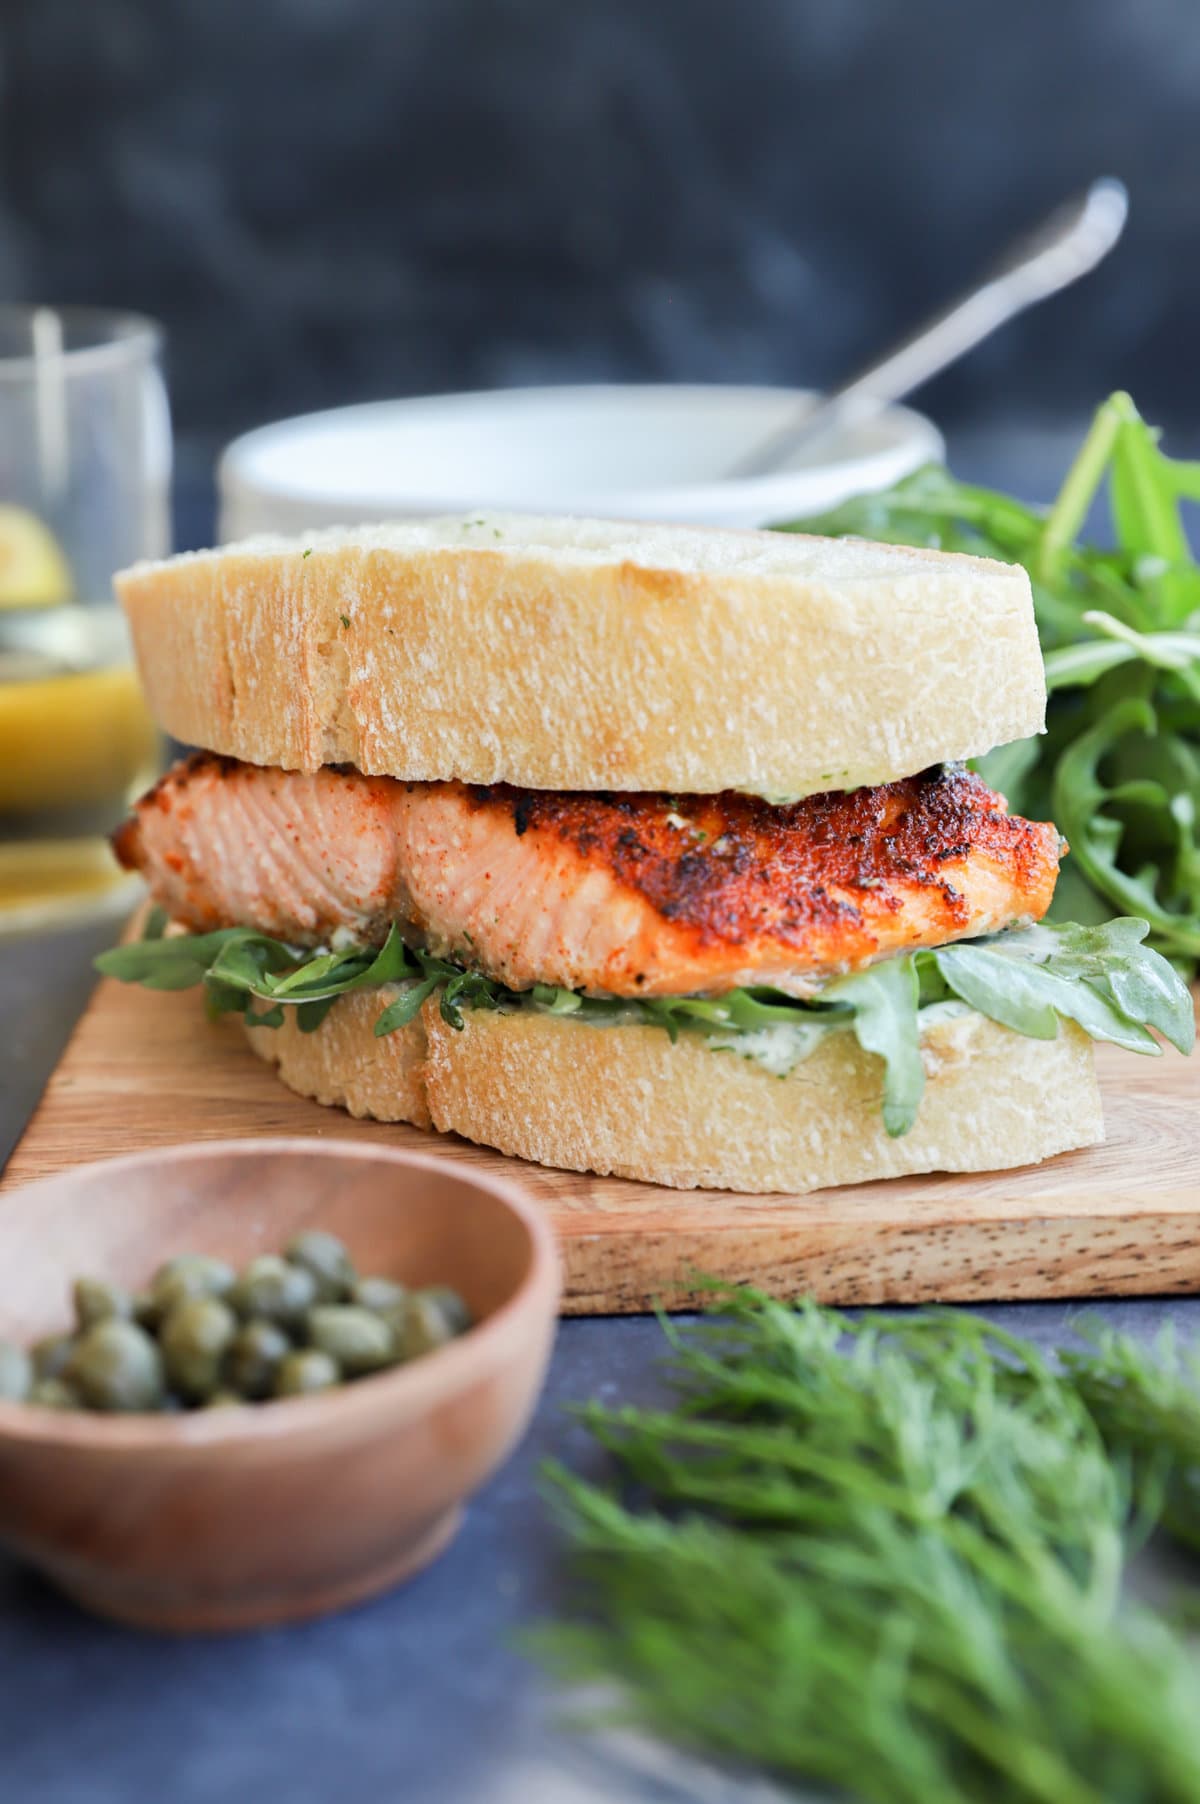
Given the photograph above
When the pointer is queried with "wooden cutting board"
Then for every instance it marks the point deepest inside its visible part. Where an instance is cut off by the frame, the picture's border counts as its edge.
(144, 1069)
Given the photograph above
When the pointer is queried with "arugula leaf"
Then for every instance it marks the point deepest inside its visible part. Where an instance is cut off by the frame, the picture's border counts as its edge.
(1116, 960)
(884, 1000)
(406, 1007)
(176, 963)
(239, 963)
(265, 1017)
(156, 924)
(1096, 815)
(309, 1015)
(1104, 977)
(1073, 666)
(932, 508)
(1030, 999)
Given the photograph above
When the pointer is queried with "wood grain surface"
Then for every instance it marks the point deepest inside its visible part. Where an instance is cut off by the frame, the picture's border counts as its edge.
(146, 1069)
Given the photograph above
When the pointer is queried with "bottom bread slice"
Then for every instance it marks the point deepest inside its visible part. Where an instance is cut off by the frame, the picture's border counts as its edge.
(624, 1100)
(344, 1064)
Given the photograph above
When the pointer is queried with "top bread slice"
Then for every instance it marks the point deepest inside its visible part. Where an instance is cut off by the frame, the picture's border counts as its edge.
(589, 654)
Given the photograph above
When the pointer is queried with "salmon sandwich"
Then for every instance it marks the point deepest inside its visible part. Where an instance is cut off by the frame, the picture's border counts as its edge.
(631, 849)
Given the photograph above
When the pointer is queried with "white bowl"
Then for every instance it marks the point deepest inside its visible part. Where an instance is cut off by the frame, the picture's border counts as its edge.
(655, 452)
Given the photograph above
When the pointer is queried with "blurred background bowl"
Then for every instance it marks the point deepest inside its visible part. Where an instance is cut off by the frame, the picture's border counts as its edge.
(656, 451)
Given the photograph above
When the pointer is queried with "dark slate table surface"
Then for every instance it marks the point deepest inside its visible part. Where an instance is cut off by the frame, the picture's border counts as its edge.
(423, 1694)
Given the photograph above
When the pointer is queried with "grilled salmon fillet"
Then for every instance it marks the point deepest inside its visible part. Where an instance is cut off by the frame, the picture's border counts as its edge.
(616, 894)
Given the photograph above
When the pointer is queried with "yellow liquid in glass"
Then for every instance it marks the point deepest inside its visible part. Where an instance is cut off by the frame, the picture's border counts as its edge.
(76, 742)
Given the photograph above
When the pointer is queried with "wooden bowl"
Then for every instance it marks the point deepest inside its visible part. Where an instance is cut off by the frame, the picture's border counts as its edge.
(237, 1518)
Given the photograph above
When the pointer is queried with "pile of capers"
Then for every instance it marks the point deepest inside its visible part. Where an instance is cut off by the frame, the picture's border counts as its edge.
(204, 1336)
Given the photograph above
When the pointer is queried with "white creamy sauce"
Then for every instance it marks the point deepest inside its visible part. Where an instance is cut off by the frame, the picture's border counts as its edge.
(777, 1049)
(780, 1049)
(936, 1012)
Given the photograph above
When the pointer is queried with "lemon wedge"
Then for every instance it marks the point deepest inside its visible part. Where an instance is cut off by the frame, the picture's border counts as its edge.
(33, 571)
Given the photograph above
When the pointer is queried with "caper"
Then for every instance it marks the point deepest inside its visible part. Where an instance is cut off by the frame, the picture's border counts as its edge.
(95, 1301)
(195, 1338)
(427, 1325)
(359, 1341)
(385, 1297)
(253, 1358)
(146, 1312)
(181, 1279)
(271, 1288)
(208, 1275)
(52, 1355)
(452, 1306)
(304, 1371)
(54, 1393)
(116, 1366)
(324, 1256)
(16, 1372)
(202, 1335)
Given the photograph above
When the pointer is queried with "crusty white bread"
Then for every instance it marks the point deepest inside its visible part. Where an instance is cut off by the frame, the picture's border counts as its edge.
(624, 1100)
(343, 1063)
(584, 654)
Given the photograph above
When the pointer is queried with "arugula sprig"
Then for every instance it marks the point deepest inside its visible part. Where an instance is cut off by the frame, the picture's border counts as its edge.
(883, 1555)
(1119, 766)
(239, 966)
(1105, 978)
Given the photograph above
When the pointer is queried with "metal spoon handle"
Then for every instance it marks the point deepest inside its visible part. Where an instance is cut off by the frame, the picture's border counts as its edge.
(1064, 247)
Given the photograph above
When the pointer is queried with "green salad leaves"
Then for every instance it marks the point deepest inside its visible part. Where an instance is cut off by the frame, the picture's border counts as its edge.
(1107, 978)
(1118, 769)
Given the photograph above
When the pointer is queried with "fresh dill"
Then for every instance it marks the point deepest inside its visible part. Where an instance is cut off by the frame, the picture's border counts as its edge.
(887, 1557)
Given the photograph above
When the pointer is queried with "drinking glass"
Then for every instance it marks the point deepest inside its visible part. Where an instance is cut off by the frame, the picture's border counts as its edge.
(85, 463)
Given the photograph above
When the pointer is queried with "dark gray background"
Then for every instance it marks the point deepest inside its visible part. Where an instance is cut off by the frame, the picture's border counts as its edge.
(329, 200)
